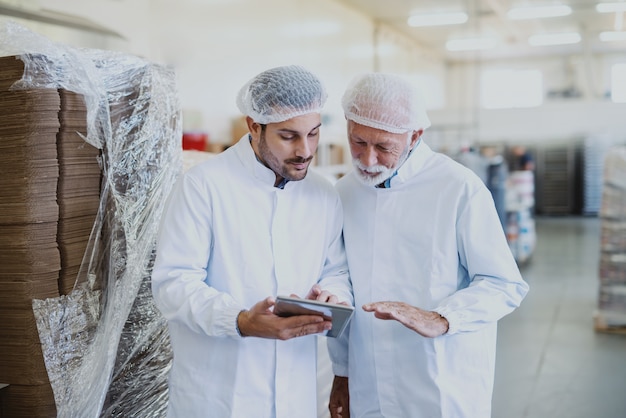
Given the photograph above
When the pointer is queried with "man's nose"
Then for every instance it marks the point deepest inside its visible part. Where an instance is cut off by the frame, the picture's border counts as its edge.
(304, 149)
(369, 157)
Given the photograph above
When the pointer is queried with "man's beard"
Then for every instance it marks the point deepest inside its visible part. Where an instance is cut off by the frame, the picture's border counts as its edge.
(279, 168)
(382, 172)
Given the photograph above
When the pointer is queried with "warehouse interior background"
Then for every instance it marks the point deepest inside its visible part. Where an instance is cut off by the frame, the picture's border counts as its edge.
(505, 91)
(205, 39)
(494, 80)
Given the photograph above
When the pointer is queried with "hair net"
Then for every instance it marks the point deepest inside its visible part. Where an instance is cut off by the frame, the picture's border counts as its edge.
(385, 101)
(281, 93)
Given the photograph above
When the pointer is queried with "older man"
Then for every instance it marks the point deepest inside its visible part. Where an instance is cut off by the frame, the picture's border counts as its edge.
(430, 266)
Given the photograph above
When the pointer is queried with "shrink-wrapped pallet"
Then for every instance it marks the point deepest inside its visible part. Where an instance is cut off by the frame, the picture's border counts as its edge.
(81, 203)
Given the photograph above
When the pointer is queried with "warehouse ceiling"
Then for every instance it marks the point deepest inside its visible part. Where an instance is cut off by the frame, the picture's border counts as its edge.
(505, 37)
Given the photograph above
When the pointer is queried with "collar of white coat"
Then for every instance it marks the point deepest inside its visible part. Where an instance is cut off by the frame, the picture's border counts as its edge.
(246, 154)
(413, 164)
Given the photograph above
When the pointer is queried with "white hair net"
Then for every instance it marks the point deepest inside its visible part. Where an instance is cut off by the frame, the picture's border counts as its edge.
(385, 101)
(281, 93)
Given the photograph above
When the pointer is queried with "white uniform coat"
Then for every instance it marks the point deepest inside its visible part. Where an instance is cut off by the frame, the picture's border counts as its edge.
(229, 239)
(432, 240)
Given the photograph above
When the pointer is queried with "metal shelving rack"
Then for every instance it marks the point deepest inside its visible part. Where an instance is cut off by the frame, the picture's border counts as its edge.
(555, 180)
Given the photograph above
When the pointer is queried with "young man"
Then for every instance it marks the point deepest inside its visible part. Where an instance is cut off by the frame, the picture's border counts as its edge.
(430, 267)
(240, 229)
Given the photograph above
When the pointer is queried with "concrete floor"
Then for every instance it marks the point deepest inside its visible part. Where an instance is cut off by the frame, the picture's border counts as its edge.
(550, 361)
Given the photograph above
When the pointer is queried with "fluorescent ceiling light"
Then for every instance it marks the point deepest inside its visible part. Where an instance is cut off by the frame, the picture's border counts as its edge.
(554, 39)
(470, 44)
(613, 36)
(611, 7)
(538, 12)
(437, 19)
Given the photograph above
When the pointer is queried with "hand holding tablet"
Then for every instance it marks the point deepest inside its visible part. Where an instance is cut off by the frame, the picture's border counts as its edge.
(339, 314)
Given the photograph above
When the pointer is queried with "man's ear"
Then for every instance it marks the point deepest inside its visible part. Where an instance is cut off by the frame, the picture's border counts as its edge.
(415, 137)
(254, 128)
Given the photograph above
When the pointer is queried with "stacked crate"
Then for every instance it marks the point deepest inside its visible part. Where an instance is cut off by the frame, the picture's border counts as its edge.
(611, 314)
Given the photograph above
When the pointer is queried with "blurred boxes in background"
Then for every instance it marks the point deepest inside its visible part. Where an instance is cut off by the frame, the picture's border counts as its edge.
(611, 309)
(195, 141)
(520, 222)
(239, 128)
(329, 154)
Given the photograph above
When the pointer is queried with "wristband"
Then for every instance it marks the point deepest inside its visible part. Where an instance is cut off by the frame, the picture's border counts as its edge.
(237, 322)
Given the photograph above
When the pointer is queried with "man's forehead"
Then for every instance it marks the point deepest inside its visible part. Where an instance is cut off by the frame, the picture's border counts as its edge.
(300, 123)
(374, 135)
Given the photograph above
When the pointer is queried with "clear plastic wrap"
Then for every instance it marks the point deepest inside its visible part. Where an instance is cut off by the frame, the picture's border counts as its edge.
(106, 347)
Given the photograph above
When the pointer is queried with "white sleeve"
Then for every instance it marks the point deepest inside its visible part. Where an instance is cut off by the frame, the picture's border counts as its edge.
(178, 278)
(338, 282)
(335, 277)
(496, 286)
(338, 353)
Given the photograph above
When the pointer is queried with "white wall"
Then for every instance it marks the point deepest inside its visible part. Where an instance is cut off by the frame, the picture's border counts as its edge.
(552, 122)
(558, 119)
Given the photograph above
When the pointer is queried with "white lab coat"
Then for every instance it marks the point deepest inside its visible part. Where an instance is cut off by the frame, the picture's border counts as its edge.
(432, 240)
(229, 239)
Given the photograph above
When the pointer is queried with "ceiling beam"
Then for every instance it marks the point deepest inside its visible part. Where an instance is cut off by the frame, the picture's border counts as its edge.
(58, 19)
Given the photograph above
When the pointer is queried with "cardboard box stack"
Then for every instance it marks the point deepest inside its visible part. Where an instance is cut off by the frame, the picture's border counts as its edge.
(44, 230)
(78, 191)
(611, 313)
(79, 332)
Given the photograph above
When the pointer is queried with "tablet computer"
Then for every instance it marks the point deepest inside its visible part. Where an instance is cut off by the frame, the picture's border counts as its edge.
(339, 314)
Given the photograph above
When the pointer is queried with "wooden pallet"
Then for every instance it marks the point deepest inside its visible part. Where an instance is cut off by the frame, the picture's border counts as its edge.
(600, 325)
